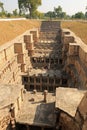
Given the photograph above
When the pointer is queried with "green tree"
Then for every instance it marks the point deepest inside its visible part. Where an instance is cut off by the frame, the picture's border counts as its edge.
(50, 14)
(2, 11)
(1, 7)
(39, 15)
(8, 15)
(79, 15)
(58, 11)
(86, 13)
(63, 15)
(15, 13)
(28, 6)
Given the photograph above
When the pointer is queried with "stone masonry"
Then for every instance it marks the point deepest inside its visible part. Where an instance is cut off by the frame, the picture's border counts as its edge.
(43, 76)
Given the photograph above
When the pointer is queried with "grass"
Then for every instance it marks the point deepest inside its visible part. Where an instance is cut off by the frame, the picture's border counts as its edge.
(79, 28)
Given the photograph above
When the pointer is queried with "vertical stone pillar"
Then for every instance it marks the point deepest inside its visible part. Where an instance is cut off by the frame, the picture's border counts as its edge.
(48, 79)
(45, 96)
(54, 85)
(18, 103)
(34, 81)
(28, 39)
(9, 65)
(12, 110)
(41, 82)
(49, 66)
(22, 95)
(5, 54)
(34, 91)
(35, 34)
(13, 76)
(13, 125)
(44, 61)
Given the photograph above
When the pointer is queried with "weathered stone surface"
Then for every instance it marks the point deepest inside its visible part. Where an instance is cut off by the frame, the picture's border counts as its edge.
(61, 58)
(68, 99)
(36, 111)
(68, 123)
(84, 125)
(83, 107)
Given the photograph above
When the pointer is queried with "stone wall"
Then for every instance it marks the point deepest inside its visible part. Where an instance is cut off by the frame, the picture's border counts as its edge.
(67, 123)
(75, 54)
(79, 122)
(4, 123)
(8, 64)
(10, 104)
(14, 59)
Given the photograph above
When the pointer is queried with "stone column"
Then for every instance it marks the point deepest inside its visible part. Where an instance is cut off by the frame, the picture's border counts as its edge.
(22, 95)
(41, 82)
(18, 103)
(44, 61)
(9, 65)
(27, 127)
(13, 76)
(13, 125)
(12, 110)
(54, 85)
(48, 79)
(5, 54)
(45, 96)
(34, 91)
(34, 81)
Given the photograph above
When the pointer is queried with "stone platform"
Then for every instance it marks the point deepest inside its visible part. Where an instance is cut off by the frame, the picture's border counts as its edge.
(36, 112)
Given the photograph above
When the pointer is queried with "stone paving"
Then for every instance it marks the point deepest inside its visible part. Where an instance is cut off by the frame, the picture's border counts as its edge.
(35, 111)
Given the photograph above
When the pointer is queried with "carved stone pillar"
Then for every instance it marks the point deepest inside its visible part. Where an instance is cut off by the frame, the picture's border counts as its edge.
(12, 110)
(45, 95)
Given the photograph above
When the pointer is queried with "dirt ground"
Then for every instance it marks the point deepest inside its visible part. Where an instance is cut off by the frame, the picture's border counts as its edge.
(10, 29)
(78, 27)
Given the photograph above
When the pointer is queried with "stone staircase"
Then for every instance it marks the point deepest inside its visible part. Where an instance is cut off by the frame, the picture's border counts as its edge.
(50, 26)
(50, 30)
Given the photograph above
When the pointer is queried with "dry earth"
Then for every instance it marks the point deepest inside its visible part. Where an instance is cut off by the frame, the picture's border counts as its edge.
(79, 28)
(10, 29)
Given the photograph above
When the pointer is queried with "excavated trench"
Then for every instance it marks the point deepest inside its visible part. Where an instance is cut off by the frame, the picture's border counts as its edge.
(47, 72)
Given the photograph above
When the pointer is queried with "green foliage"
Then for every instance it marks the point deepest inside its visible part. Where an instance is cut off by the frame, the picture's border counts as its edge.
(86, 15)
(28, 6)
(1, 7)
(50, 14)
(78, 15)
(15, 13)
(2, 11)
(57, 13)
(8, 15)
(38, 14)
